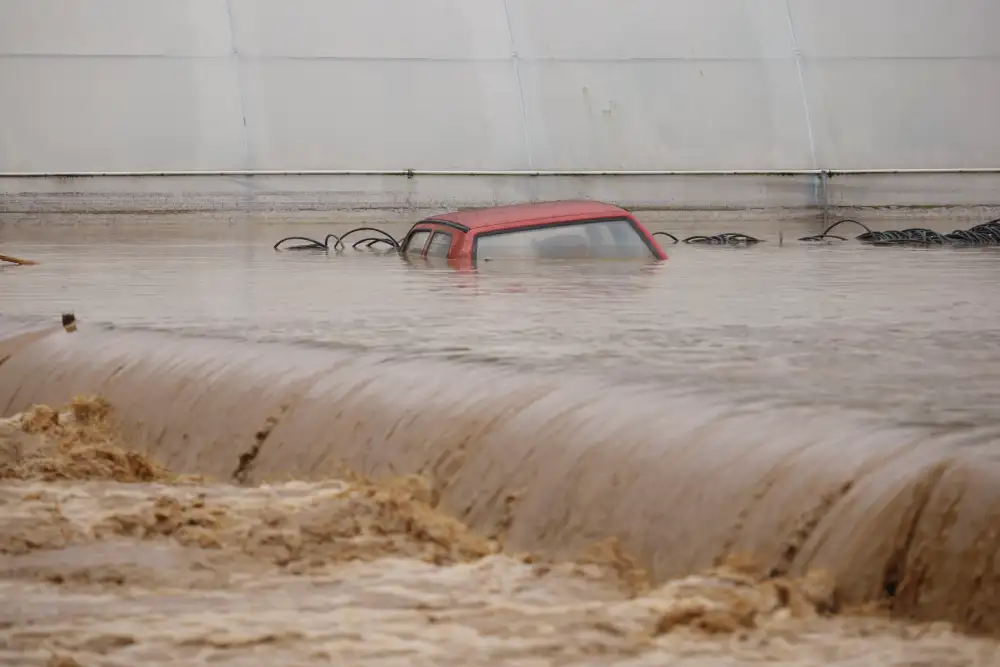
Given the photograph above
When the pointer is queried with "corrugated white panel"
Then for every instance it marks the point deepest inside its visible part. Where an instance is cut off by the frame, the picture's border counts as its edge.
(666, 115)
(457, 29)
(905, 113)
(383, 115)
(629, 29)
(897, 28)
(119, 114)
(115, 27)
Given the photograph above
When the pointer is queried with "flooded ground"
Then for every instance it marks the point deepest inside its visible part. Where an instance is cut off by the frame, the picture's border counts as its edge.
(792, 359)
(109, 559)
(907, 333)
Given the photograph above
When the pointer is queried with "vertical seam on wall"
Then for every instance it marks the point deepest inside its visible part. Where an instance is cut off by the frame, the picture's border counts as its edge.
(239, 85)
(802, 84)
(520, 89)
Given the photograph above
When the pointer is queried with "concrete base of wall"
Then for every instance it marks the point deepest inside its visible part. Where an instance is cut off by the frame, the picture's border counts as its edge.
(955, 198)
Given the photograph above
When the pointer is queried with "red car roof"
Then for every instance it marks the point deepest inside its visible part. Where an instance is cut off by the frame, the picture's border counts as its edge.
(500, 215)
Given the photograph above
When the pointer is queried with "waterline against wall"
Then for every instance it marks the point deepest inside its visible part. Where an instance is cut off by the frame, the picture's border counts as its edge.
(969, 194)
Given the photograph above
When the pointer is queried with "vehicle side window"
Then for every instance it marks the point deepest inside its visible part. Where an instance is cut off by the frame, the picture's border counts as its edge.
(415, 242)
(440, 245)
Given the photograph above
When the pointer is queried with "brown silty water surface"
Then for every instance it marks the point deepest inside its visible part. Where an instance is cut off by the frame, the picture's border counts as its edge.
(827, 414)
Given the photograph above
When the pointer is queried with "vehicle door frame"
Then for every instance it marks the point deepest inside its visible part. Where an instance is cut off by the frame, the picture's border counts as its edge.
(434, 227)
(419, 227)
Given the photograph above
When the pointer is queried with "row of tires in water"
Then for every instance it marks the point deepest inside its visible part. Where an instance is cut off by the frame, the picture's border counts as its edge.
(984, 234)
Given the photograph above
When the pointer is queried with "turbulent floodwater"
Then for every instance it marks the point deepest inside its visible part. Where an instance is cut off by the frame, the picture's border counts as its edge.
(110, 559)
(907, 333)
(839, 378)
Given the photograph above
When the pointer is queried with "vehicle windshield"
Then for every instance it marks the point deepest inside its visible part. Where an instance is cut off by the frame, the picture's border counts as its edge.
(602, 239)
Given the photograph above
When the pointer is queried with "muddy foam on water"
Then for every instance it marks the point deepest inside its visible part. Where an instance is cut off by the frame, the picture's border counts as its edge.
(108, 558)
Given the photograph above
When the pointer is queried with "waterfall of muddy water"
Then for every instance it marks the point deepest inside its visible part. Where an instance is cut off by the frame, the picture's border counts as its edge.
(107, 558)
(895, 517)
(827, 414)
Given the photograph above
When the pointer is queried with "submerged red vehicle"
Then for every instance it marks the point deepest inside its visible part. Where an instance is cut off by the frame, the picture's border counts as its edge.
(546, 230)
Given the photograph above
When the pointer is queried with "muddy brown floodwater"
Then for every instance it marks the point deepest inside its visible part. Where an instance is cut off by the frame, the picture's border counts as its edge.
(111, 559)
(772, 455)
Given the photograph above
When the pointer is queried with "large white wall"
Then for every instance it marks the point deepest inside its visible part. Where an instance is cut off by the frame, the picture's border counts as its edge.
(498, 84)
(139, 85)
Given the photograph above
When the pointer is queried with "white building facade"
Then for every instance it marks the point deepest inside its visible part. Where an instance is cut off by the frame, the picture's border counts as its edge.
(475, 96)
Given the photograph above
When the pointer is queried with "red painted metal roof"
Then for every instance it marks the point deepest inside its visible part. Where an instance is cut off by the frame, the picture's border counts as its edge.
(500, 215)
